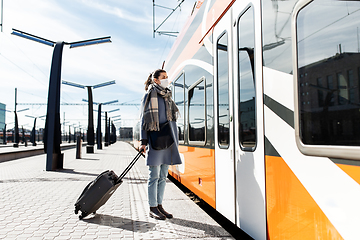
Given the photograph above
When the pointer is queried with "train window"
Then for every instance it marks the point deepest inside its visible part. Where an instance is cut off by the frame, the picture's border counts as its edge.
(197, 112)
(179, 93)
(328, 57)
(209, 111)
(223, 91)
(247, 112)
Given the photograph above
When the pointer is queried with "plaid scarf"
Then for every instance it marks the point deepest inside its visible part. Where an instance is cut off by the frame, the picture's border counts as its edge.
(151, 107)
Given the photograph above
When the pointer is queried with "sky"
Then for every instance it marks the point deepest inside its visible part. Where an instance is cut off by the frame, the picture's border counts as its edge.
(132, 55)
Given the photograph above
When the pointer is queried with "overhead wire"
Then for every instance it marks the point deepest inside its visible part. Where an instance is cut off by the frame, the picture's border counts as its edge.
(320, 29)
(348, 14)
(167, 42)
(19, 67)
(26, 56)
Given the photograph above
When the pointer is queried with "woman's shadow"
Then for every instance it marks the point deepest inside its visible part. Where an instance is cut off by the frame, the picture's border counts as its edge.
(143, 227)
(119, 222)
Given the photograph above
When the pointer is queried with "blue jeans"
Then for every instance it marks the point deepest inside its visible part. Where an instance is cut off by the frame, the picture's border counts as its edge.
(156, 184)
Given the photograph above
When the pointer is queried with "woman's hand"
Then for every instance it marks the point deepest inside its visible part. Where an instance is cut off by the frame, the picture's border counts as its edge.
(142, 148)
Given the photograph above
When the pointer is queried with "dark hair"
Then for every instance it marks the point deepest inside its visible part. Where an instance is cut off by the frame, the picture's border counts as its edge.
(152, 75)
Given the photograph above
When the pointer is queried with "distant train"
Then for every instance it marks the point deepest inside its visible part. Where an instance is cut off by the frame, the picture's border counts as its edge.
(270, 114)
(10, 136)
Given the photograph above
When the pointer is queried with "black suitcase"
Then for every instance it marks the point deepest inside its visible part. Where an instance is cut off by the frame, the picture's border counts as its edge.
(97, 192)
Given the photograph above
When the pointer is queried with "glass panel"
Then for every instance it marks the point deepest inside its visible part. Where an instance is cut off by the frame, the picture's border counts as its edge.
(320, 92)
(328, 48)
(179, 100)
(223, 91)
(247, 118)
(330, 97)
(352, 87)
(342, 89)
(209, 111)
(197, 112)
(276, 32)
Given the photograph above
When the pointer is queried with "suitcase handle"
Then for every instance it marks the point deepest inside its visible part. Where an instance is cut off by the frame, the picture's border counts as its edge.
(127, 169)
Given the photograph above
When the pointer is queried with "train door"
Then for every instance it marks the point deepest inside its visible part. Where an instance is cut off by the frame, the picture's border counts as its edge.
(248, 118)
(224, 151)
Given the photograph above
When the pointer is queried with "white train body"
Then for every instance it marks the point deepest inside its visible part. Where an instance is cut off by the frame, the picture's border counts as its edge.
(270, 114)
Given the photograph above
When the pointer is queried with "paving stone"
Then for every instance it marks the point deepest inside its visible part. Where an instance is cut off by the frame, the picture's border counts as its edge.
(39, 233)
(14, 233)
(61, 238)
(75, 237)
(36, 238)
(76, 233)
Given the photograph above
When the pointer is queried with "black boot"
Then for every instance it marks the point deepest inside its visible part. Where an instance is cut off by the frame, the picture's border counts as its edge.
(155, 213)
(161, 209)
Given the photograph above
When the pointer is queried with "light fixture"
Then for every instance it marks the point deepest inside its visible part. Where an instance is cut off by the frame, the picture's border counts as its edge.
(32, 37)
(114, 110)
(106, 103)
(104, 84)
(90, 42)
(73, 84)
(22, 110)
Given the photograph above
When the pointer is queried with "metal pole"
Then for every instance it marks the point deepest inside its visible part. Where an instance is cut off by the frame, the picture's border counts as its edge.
(98, 130)
(64, 128)
(33, 132)
(106, 132)
(16, 128)
(54, 157)
(2, 5)
(153, 18)
(74, 133)
(23, 135)
(90, 131)
(15, 98)
(69, 135)
(4, 134)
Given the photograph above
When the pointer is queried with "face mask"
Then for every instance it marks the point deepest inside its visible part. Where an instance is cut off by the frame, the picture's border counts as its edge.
(164, 82)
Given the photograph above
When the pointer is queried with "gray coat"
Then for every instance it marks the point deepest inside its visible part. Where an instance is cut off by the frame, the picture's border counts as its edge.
(170, 155)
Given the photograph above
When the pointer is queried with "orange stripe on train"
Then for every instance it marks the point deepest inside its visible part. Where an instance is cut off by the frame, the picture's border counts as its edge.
(291, 212)
(352, 171)
(199, 174)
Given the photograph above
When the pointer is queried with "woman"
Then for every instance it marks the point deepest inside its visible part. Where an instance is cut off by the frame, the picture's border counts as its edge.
(158, 109)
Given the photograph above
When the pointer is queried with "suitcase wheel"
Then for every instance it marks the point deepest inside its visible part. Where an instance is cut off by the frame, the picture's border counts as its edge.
(77, 208)
(83, 214)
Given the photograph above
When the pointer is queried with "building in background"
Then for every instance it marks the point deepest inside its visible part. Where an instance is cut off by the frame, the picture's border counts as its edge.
(126, 133)
(2, 115)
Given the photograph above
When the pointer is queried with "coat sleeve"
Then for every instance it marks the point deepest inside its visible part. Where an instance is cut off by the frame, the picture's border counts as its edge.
(143, 133)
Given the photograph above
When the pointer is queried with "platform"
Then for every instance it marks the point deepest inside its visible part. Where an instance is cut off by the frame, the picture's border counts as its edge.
(36, 204)
(8, 152)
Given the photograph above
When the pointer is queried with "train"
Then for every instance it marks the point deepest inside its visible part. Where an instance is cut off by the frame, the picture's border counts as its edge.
(269, 127)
